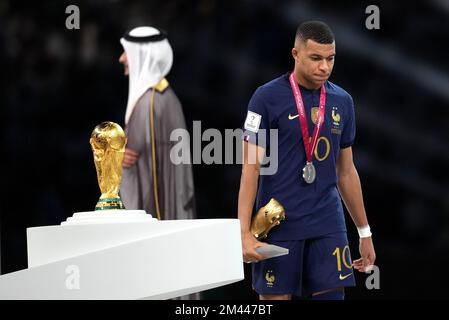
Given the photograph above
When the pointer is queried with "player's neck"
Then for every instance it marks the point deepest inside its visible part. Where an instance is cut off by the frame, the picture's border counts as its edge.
(304, 82)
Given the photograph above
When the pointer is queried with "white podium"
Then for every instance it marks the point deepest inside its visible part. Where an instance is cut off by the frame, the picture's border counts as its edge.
(127, 256)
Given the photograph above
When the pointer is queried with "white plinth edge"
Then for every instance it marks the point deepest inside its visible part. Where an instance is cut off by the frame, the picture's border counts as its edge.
(108, 216)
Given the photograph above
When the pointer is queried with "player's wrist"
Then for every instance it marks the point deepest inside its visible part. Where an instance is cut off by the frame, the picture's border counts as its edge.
(364, 231)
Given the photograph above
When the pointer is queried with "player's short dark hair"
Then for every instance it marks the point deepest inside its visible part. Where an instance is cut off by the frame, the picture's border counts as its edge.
(315, 30)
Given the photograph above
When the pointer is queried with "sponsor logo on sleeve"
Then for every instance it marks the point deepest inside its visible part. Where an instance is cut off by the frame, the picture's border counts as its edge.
(252, 122)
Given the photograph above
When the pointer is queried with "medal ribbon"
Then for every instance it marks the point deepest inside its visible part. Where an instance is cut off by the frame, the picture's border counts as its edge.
(309, 146)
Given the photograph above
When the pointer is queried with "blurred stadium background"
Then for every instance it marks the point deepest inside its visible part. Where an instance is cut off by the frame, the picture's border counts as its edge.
(57, 84)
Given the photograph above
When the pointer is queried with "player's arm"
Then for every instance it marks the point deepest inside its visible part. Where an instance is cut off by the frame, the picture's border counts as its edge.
(351, 192)
(252, 157)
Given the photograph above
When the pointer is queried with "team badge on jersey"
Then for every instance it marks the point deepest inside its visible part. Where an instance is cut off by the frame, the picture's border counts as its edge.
(335, 117)
(269, 276)
(252, 122)
(336, 121)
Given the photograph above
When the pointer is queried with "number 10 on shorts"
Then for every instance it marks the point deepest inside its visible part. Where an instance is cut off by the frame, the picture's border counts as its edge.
(343, 256)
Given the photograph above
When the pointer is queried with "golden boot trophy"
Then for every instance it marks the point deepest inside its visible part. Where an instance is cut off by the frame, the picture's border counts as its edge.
(266, 218)
(108, 141)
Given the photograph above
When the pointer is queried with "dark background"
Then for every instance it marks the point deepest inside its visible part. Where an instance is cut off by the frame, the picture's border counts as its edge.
(57, 84)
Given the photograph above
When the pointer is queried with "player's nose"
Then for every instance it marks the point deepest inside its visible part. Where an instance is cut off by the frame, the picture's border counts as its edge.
(324, 66)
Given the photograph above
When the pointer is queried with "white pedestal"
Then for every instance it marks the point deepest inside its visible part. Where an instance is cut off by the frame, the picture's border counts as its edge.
(140, 259)
(108, 216)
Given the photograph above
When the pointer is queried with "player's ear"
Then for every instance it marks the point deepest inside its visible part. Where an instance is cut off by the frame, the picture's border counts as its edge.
(294, 53)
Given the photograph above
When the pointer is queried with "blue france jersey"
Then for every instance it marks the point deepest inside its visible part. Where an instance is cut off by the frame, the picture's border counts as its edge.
(311, 209)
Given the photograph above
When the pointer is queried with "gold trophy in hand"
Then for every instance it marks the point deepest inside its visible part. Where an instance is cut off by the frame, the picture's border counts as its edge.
(266, 218)
(108, 141)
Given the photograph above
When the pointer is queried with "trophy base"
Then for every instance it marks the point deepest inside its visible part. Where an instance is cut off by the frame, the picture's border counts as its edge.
(109, 216)
(109, 204)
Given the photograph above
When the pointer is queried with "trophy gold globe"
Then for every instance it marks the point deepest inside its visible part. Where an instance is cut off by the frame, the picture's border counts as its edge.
(108, 141)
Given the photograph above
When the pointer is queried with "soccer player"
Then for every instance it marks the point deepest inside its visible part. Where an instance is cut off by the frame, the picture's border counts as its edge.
(316, 130)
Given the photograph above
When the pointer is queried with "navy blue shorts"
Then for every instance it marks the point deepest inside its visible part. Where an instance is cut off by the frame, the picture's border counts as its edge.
(312, 265)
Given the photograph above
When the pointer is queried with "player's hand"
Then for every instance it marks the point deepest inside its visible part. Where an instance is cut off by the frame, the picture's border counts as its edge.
(130, 158)
(368, 256)
(249, 245)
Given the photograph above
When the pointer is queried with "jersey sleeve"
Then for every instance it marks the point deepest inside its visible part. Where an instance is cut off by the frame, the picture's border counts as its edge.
(257, 123)
(348, 135)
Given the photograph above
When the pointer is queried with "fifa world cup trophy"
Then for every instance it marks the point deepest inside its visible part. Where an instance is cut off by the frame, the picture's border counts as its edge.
(108, 141)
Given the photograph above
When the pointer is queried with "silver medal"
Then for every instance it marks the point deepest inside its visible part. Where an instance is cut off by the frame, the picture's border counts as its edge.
(309, 172)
